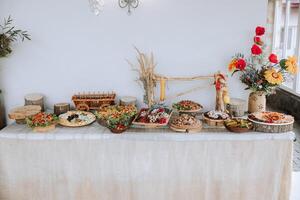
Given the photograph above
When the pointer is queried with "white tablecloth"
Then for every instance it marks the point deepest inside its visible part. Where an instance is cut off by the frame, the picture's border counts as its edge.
(91, 163)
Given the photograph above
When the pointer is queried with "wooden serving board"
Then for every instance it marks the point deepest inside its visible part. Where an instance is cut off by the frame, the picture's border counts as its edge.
(151, 125)
(186, 129)
(21, 113)
(272, 127)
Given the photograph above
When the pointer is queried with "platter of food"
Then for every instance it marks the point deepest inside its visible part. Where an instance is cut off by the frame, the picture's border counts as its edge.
(185, 123)
(238, 125)
(272, 122)
(215, 118)
(42, 122)
(187, 106)
(76, 118)
(156, 116)
(117, 118)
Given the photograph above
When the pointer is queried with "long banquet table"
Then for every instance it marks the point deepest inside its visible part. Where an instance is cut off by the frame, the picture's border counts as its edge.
(91, 163)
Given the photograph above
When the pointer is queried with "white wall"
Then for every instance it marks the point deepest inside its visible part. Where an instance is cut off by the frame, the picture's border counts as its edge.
(73, 50)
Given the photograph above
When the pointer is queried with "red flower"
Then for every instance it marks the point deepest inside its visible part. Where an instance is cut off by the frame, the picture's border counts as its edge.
(256, 50)
(273, 58)
(260, 30)
(241, 64)
(258, 41)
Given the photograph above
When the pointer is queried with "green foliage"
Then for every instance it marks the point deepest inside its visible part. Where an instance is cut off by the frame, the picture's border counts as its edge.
(9, 34)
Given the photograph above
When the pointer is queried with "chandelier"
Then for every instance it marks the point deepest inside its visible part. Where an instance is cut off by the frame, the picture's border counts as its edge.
(98, 5)
(129, 4)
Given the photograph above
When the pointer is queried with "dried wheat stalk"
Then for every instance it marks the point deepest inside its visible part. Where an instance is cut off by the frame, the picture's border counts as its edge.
(146, 73)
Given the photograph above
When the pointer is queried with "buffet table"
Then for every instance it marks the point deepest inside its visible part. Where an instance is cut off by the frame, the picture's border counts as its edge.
(91, 163)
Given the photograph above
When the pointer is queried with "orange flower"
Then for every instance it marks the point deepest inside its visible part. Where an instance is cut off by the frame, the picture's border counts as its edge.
(232, 64)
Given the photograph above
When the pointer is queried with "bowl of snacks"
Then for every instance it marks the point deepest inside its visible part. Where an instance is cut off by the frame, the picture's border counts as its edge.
(238, 125)
(187, 106)
(42, 122)
(215, 118)
(156, 116)
(117, 118)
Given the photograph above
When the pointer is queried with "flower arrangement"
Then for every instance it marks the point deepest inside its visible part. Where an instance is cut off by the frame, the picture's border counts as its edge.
(9, 34)
(262, 73)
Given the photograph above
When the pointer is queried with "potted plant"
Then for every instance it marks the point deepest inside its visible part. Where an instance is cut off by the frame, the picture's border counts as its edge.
(8, 35)
(261, 73)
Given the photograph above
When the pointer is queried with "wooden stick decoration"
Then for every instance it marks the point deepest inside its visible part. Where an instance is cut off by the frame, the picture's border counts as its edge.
(148, 78)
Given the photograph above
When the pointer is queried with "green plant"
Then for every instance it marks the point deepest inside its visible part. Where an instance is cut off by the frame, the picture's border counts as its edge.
(9, 34)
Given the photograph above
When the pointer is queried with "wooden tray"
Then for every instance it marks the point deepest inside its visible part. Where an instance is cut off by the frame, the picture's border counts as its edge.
(151, 125)
(187, 129)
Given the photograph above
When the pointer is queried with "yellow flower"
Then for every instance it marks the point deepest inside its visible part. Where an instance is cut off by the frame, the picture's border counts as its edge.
(273, 77)
(232, 65)
(291, 65)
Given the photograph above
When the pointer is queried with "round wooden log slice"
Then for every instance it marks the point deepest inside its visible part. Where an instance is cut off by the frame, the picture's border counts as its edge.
(34, 99)
(128, 100)
(20, 113)
(272, 128)
(237, 107)
(61, 108)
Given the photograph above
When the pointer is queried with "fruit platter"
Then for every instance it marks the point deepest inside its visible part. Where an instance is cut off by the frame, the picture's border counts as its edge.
(154, 117)
(185, 123)
(187, 106)
(238, 125)
(42, 122)
(117, 118)
(273, 122)
(215, 118)
(76, 118)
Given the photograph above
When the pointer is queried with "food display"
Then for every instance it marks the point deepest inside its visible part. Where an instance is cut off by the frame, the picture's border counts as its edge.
(215, 118)
(271, 122)
(76, 118)
(156, 116)
(21, 113)
(116, 118)
(238, 125)
(185, 123)
(42, 122)
(271, 117)
(187, 106)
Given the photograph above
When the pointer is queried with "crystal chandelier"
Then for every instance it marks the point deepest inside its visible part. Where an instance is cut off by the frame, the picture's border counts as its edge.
(129, 4)
(96, 6)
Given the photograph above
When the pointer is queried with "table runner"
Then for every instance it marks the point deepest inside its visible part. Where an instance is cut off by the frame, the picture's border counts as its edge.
(91, 163)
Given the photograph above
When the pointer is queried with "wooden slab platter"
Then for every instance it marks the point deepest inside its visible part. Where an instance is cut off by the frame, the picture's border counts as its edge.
(284, 123)
(186, 123)
(21, 113)
(76, 119)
